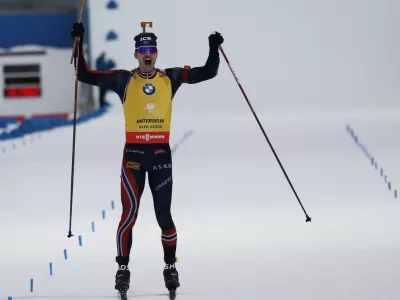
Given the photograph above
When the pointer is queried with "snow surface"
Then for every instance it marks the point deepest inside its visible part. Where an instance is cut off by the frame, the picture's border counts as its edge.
(241, 232)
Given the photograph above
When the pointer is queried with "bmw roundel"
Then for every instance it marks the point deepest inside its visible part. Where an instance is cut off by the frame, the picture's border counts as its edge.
(149, 89)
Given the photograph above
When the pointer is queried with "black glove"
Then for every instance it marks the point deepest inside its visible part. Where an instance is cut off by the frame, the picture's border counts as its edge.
(215, 39)
(77, 30)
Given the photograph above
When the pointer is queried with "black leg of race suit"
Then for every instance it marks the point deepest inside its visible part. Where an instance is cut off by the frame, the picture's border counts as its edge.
(160, 181)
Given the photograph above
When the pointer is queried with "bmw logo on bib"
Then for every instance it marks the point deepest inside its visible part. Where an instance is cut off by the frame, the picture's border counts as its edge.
(149, 89)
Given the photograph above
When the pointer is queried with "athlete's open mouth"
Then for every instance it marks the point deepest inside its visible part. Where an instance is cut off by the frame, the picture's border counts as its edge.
(147, 62)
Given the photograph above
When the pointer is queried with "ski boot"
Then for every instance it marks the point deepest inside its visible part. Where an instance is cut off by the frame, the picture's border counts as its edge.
(122, 280)
(171, 278)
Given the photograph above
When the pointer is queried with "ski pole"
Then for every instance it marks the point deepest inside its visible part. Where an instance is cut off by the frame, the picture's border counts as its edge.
(263, 131)
(76, 44)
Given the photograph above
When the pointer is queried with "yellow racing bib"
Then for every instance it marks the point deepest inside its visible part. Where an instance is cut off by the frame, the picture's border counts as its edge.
(147, 109)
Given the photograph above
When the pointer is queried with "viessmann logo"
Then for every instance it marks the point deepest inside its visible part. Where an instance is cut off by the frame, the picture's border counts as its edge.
(149, 137)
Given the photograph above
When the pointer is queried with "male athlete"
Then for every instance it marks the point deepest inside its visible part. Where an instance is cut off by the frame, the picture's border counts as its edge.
(146, 94)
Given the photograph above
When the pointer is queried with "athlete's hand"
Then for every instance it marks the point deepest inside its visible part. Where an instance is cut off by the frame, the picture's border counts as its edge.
(215, 39)
(77, 30)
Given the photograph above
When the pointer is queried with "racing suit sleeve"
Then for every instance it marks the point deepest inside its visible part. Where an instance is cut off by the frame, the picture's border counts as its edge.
(196, 74)
(114, 80)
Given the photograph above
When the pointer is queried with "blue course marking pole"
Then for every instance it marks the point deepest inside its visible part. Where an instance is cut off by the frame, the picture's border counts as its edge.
(112, 205)
(51, 269)
(80, 240)
(104, 214)
(372, 160)
(31, 286)
(92, 226)
(65, 254)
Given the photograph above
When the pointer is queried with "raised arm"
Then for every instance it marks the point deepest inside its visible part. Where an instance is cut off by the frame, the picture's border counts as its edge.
(210, 69)
(198, 74)
(114, 80)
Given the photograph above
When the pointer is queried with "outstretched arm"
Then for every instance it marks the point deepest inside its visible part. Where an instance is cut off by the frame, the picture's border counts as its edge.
(114, 80)
(198, 74)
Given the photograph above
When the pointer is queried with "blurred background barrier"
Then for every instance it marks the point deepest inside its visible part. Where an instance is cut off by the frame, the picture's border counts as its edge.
(36, 79)
(35, 47)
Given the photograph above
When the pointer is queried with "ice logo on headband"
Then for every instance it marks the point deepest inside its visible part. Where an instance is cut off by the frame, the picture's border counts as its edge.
(145, 38)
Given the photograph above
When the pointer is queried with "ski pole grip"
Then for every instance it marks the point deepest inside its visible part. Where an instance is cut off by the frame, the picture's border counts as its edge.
(77, 39)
